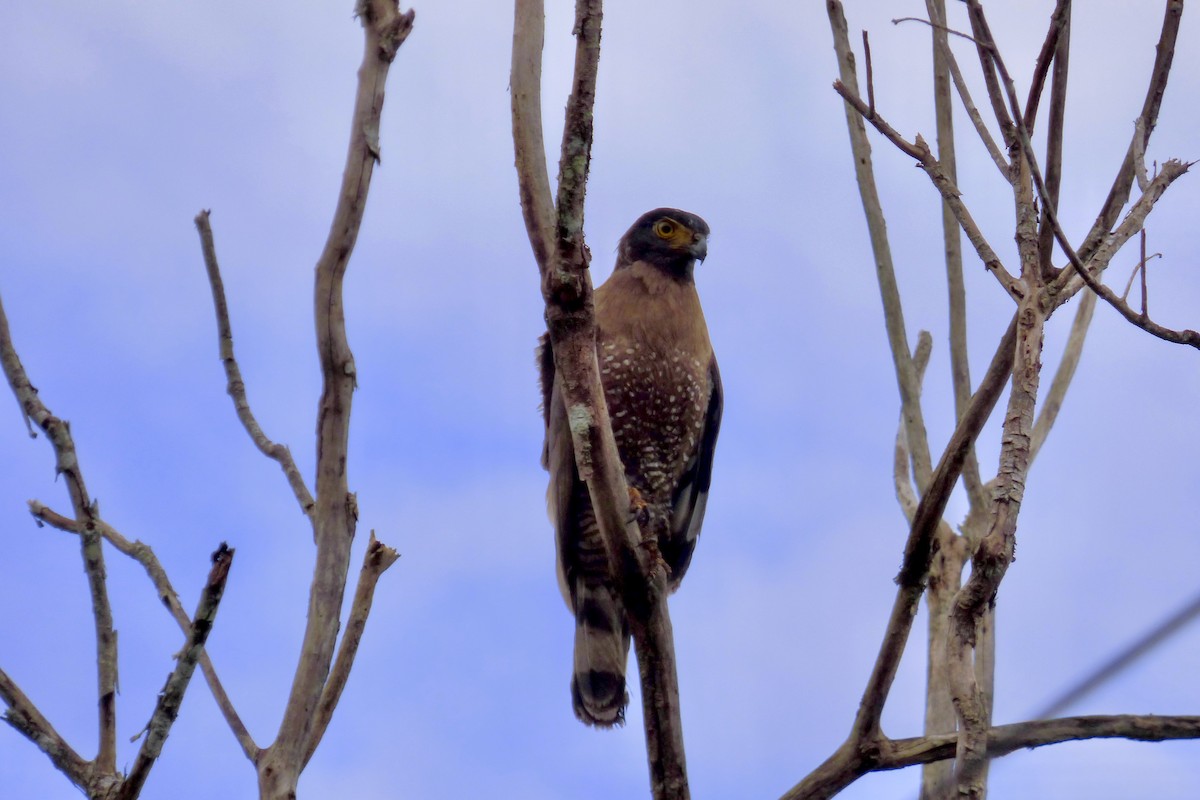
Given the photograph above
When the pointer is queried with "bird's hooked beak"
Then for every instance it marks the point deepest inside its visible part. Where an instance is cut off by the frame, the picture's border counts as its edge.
(699, 246)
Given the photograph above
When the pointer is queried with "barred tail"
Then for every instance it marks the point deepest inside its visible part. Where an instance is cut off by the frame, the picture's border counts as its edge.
(601, 652)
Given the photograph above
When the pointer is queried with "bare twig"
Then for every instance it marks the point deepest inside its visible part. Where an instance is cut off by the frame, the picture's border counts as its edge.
(235, 385)
(870, 73)
(375, 562)
(169, 700)
(1142, 264)
(944, 57)
(937, 25)
(919, 150)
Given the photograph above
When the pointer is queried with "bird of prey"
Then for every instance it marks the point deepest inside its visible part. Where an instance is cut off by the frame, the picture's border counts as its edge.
(664, 399)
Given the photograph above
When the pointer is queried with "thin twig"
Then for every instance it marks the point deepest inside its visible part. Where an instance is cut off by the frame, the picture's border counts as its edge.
(1138, 269)
(937, 26)
(170, 698)
(1145, 287)
(870, 73)
(235, 385)
(944, 54)
(919, 150)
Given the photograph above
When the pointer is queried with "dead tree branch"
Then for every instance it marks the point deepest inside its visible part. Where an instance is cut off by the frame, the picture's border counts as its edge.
(66, 464)
(235, 385)
(375, 562)
(831, 777)
(142, 554)
(885, 273)
(99, 777)
(171, 697)
(334, 515)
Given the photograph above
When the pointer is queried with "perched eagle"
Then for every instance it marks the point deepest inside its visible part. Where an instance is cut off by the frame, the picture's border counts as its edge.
(664, 398)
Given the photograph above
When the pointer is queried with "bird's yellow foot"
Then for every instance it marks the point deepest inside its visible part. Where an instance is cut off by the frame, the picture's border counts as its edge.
(638, 508)
(658, 564)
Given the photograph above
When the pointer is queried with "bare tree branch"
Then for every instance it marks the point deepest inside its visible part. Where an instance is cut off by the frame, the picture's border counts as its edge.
(845, 767)
(171, 697)
(1053, 51)
(985, 47)
(525, 89)
(25, 718)
(66, 463)
(942, 50)
(142, 553)
(375, 562)
(235, 386)
(960, 370)
(885, 273)
(918, 550)
(1060, 32)
(919, 150)
(1118, 195)
(1053, 400)
(1131, 225)
(334, 517)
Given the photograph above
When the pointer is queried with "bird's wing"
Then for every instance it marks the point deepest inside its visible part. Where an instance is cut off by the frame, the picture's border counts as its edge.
(691, 493)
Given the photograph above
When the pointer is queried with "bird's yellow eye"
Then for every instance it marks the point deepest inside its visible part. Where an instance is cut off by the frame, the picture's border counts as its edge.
(664, 228)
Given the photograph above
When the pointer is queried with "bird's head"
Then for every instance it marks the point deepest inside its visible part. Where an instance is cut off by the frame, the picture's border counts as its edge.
(667, 238)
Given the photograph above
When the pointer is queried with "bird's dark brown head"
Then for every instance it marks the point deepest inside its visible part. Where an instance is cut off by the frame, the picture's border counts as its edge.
(667, 238)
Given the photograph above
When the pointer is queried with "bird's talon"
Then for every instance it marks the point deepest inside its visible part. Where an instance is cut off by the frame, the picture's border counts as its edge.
(638, 509)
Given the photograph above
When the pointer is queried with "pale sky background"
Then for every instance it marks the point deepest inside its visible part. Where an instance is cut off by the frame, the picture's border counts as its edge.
(122, 119)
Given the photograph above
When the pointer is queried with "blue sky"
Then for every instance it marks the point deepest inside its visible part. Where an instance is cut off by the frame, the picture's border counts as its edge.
(123, 119)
